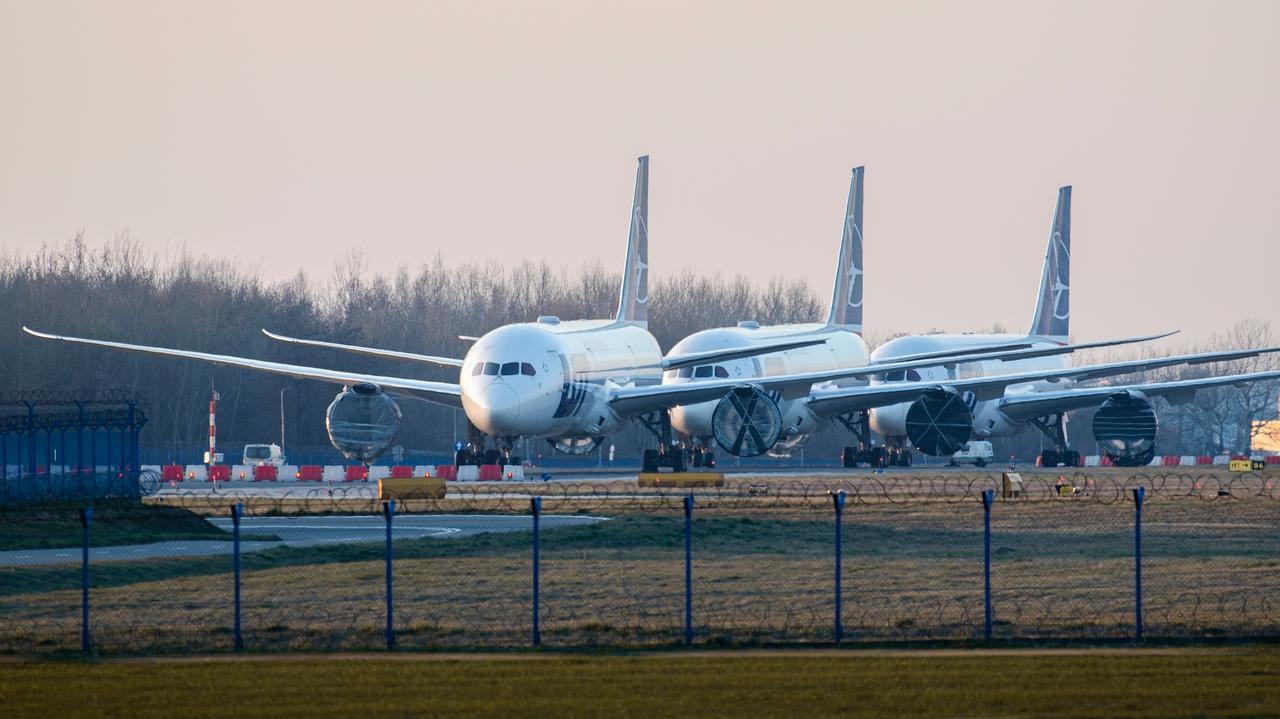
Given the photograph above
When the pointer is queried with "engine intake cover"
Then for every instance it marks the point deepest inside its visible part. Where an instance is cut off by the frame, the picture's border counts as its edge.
(939, 422)
(1125, 427)
(362, 422)
(746, 423)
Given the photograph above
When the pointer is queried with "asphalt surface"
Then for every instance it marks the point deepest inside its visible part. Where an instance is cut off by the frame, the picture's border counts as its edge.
(301, 532)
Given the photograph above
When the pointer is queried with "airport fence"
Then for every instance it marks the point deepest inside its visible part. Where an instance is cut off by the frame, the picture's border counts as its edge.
(760, 561)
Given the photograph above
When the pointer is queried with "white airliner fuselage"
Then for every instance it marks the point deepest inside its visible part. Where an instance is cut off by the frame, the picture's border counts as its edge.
(989, 421)
(842, 349)
(542, 379)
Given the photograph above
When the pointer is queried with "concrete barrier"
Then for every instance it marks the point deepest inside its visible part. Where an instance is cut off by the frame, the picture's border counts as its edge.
(468, 473)
(334, 473)
(195, 473)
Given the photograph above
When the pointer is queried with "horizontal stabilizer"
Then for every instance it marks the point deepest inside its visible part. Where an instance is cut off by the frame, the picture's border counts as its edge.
(712, 356)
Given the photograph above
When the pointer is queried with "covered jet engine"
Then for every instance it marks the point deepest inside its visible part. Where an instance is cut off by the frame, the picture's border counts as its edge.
(362, 422)
(1125, 427)
(746, 422)
(939, 422)
(575, 445)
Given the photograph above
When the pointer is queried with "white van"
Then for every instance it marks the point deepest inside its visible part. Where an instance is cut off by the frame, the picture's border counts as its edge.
(975, 452)
(263, 454)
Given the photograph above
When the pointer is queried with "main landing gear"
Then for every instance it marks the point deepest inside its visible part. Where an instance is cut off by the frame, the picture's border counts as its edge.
(669, 454)
(1054, 427)
(859, 424)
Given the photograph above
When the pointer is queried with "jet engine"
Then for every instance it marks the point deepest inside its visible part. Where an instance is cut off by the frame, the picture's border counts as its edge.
(575, 445)
(1125, 427)
(939, 422)
(746, 422)
(362, 422)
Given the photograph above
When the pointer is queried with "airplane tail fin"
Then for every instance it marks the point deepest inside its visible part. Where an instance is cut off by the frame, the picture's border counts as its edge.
(633, 299)
(846, 298)
(1052, 319)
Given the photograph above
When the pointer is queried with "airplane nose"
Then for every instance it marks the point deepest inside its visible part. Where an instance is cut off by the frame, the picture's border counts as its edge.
(497, 408)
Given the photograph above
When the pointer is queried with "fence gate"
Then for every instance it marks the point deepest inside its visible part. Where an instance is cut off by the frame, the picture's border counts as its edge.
(69, 445)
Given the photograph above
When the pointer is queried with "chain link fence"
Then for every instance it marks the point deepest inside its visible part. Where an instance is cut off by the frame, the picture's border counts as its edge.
(761, 560)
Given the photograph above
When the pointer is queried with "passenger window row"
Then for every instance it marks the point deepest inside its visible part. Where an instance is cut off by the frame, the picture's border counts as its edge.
(505, 369)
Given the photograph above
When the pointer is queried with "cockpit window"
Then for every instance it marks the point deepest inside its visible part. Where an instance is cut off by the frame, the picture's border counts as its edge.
(895, 376)
(913, 376)
(686, 372)
(703, 371)
(721, 372)
(510, 368)
(491, 368)
(477, 369)
(527, 369)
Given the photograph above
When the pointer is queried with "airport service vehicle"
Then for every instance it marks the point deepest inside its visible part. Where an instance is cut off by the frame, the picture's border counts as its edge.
(263, 454)
(976, 452)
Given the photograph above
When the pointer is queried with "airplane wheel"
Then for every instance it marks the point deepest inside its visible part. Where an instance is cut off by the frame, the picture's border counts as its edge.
(695, 457)
(906, 458)
(650, 461)
(709, 460)
(491, 456)
(980, 462)
(848, 457)
(1050, 458)
(879, 458)
(678, 460)
(1071, 458)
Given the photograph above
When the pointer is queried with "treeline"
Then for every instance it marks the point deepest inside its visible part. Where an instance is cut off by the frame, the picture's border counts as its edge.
(122, 291)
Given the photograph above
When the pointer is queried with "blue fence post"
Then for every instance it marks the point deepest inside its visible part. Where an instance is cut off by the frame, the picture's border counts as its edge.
(237, 511)
(837, 499)
(389, 511)
(1139, 495)
(988, 496)
(688, 569)
(535, 506)
(86, 519)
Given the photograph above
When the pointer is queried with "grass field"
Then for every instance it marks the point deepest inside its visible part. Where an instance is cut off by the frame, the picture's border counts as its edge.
(912, 572)
(1125, 683)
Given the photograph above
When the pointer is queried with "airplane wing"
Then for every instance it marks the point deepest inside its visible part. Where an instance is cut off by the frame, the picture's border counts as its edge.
(1003, 353)
(630, 401)
(439, 392)
(846, 399)
(369, 351)
(1037, 404)
(712, 356)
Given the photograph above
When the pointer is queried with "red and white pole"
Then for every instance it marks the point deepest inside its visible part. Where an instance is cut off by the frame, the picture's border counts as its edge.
(213, 429)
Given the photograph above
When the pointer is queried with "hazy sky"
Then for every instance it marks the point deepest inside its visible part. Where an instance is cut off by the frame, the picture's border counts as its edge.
(285, 133)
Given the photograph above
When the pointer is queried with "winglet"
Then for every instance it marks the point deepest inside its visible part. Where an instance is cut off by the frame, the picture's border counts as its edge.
(1052, 319)
(846, 297)
(633, 299)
